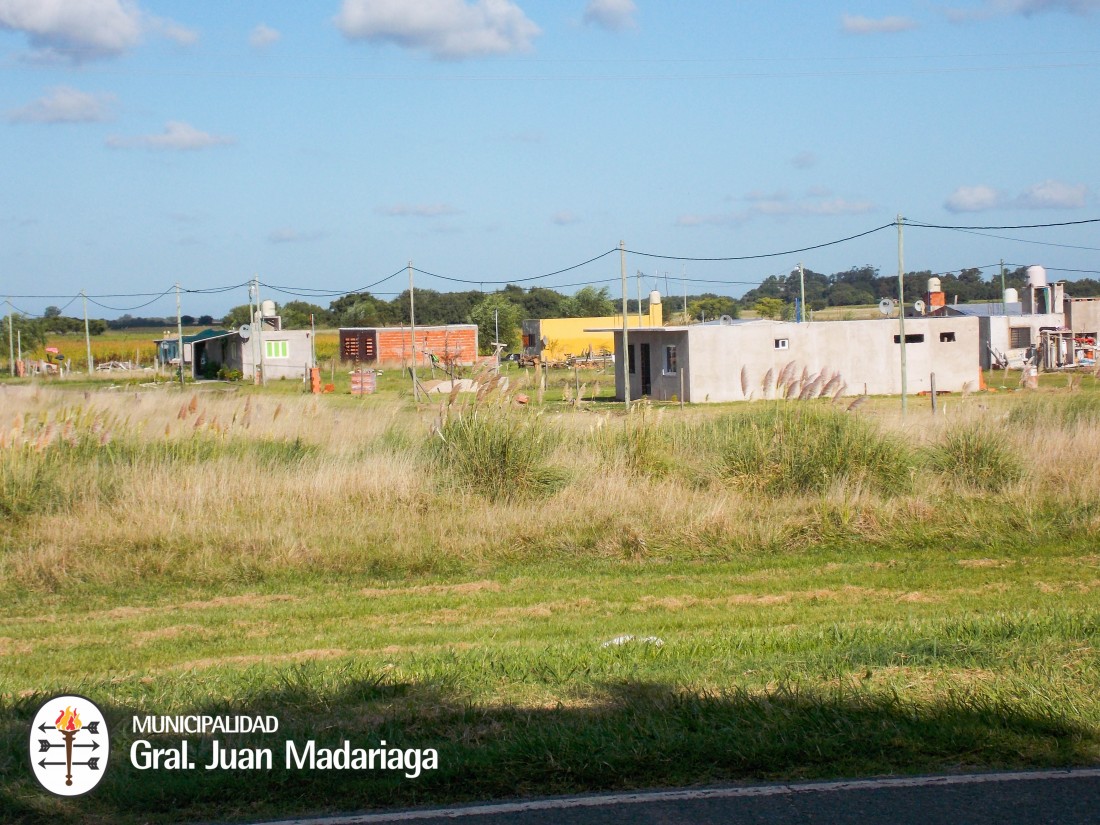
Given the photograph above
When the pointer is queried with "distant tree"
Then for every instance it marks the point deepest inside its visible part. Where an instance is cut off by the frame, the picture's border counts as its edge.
(296, 314)
(591, 302)
(187, 320)
(510, 315)
(206, 320)
(772, 308)
(713, 306)
(32, 331)
(52, 312)
(237, 316)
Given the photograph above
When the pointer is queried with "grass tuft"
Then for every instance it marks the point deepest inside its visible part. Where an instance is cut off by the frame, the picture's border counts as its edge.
(973, 455)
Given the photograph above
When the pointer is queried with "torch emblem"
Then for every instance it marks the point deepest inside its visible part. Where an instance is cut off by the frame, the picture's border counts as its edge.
(74, 727)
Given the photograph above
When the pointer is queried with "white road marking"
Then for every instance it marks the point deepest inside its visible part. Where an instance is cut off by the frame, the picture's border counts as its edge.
(602, 800)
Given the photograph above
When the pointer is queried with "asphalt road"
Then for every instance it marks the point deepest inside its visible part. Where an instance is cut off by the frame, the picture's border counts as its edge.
(1027, 798)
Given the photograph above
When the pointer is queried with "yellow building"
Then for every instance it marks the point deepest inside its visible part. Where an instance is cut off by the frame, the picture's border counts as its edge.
(555, 339)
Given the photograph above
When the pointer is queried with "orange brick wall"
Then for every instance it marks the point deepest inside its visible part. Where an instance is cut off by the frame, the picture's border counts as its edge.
(395, 344)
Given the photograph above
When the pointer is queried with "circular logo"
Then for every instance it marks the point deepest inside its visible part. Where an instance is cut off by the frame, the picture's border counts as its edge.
(69, 745)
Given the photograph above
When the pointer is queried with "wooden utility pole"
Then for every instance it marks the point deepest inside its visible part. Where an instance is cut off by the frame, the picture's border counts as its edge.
(412, 329)
(901, 316)
(626, 334)
(179, 331)
(87, 334)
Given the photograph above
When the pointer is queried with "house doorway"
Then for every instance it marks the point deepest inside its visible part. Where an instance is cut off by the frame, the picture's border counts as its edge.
(646, 379)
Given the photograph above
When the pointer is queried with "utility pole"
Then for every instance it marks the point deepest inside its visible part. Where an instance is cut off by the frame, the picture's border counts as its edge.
(1004, 300)
(639, 278)
(87, 334)
(901, 315)
(496, 336)
(802, 285)
(179, 330)
(683, 276)
(253, 315)
(19, 343)
(412, 329)
(11, 344)
(626, 335)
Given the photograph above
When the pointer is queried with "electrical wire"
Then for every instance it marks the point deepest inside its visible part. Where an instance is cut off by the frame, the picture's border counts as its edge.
(767, 254)
(128, 309)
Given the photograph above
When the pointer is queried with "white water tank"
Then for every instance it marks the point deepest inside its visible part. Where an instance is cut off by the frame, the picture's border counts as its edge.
(1036, 276)
(934, 285)
(267, 309)
(1011, 295)
(654, 298)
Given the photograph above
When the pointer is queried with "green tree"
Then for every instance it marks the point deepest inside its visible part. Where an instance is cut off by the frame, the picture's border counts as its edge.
(237, 316)
(713, 306)
(590, 302)
(773, 308)
(510, 315)
(296, 314)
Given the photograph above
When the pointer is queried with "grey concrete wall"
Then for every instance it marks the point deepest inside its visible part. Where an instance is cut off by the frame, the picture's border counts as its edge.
(862, 352)
(1083, 315)
(295, 365)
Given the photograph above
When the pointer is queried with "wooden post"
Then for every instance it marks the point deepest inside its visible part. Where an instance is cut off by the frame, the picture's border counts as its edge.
(933, 377)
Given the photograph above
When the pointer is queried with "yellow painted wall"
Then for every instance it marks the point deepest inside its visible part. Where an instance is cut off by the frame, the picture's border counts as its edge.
(567, 336)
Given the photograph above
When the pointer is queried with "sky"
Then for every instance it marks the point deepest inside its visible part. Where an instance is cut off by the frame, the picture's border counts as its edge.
(321, 146)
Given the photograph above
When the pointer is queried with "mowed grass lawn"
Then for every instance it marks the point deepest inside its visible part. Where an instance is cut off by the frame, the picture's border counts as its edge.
(351, 567)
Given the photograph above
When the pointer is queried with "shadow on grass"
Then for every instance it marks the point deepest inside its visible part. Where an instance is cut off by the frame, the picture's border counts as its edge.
(623, 735)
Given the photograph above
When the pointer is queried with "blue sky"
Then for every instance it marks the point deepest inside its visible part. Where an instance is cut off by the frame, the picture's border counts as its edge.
(324, 144)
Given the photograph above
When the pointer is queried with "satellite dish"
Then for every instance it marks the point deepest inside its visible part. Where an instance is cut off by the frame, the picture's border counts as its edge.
(245, 331)
(545, 341)
(885, 306)
(919, 307)
(725, 320)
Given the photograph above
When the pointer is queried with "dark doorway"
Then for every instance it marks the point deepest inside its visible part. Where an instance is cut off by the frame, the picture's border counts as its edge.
(644, 355)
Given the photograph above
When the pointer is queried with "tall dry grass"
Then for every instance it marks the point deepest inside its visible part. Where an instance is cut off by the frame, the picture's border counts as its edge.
(110, 489)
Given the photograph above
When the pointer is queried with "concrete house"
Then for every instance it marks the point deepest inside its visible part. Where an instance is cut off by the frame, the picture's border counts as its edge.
(704, 362)
(279, 353)
(551, 338)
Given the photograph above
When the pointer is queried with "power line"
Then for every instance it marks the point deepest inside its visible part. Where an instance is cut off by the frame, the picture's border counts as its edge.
(766, 254)
(128, 309)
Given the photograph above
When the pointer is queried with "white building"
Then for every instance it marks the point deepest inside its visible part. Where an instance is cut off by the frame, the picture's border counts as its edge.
(732, 361)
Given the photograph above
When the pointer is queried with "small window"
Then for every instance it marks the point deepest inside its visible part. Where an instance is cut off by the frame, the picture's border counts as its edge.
(910, 339)
(630, 358)
(947, 337)
(670, 360)
(276, 349)
(782, 343)
(1019, 337)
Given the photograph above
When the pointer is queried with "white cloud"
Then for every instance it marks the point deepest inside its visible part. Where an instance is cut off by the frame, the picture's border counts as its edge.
(780, 205)
(1027, 8)
(858, 24)
(64, 104)
(180, 35)
(176, 136)
(1049, 194)
(565, 218)
(77, 30)
(804, 160)
(447, 29)
(1053, 194)
(263, 35)
(423, 210)
(973, 199)
(289, 235)
(613, 15)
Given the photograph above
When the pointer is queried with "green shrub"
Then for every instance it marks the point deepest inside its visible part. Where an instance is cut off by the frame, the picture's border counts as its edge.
(230, 374)
(976, 456)
(800, 448)
(29, 482)
(497, 453)
(1066, 410)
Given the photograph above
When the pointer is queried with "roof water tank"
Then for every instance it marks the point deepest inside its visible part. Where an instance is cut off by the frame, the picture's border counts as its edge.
(934, 285)
(654, 297)
(267, 309)
(1011, 296)
(1036, 276)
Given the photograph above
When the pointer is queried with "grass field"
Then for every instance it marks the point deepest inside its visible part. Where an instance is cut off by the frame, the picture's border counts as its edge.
(835, 593)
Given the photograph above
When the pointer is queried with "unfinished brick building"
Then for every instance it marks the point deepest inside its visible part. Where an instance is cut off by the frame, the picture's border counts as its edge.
(392, 346)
